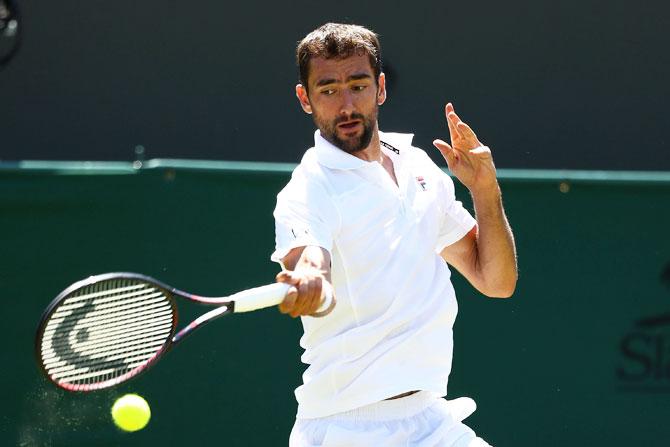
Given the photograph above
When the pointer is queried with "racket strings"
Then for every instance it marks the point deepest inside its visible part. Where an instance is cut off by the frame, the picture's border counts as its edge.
(106, 330)
(113, 351)
(106, 316)
(119, 332)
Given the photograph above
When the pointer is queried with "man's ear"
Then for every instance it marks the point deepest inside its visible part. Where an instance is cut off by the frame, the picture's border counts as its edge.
(381, 89)
(303, 98)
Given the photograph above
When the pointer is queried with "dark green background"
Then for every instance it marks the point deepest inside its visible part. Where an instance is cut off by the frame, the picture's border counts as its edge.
(542, 366)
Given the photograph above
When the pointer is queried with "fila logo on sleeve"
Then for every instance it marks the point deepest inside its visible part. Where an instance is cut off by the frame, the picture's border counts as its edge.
(421, 182)
(299, 231)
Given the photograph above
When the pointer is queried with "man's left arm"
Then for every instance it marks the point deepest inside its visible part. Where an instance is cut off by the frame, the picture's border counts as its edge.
(486, 256)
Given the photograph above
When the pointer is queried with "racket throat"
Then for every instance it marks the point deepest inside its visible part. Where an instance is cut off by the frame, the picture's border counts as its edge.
(201, 320)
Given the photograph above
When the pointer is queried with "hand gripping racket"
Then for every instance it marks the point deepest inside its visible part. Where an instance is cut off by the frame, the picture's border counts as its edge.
(107, 329)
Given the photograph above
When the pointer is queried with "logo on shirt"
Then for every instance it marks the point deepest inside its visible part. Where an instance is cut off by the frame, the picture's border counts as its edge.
(300, 231)
(389, 147)
(421, 182)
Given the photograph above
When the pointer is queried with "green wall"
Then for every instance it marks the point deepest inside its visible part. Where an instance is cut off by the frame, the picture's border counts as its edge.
(580, 355)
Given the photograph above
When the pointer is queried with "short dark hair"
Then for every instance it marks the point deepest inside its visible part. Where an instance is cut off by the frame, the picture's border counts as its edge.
(337, 40)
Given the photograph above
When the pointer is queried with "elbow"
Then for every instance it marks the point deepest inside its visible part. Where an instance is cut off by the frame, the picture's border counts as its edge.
(502, 289)
(502, 293)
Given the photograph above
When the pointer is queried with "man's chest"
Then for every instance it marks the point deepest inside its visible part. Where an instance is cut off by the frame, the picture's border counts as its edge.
(378, 210)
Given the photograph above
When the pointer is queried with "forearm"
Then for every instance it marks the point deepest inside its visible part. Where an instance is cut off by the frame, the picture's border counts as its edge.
(495, 260)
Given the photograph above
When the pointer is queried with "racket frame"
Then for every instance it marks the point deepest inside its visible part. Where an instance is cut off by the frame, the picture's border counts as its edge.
(225, 307)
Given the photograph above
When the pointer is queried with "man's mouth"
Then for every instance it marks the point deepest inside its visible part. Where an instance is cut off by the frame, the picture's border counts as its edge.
(348, 125)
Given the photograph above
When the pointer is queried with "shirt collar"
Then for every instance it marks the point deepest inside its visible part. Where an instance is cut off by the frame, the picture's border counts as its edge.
(335, 158)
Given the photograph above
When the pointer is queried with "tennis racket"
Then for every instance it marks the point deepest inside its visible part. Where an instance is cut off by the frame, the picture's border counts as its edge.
(107, 329)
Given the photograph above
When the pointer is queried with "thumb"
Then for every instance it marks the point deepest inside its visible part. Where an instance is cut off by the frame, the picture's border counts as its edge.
(447, 152)
(288, 277)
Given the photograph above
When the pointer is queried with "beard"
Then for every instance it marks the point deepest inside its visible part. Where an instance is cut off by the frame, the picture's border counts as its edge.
(349, 145)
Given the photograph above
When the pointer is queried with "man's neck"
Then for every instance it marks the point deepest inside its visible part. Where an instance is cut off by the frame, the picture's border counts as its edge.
(373, 152)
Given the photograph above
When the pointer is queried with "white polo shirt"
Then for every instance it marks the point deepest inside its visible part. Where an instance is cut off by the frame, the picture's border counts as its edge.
(391, 330)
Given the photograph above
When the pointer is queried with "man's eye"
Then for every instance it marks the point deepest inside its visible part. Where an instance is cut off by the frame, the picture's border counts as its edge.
(327, 92)
(359, 88)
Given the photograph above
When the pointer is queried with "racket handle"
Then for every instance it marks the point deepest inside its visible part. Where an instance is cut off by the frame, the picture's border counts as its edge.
(271, 295)
(260, 297)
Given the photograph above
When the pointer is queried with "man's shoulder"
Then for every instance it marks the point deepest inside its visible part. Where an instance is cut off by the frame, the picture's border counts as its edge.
(308, 184)
(308, 172)
(309, 167)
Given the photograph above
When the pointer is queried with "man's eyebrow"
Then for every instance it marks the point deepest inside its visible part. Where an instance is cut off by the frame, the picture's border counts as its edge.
(322, 82)
(353, 77)
(358, 77)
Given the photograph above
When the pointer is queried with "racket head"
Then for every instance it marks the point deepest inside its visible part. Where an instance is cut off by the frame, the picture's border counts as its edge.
(105, 330)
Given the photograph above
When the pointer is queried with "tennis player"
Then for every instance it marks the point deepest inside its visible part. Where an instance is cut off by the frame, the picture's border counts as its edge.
(372, 215)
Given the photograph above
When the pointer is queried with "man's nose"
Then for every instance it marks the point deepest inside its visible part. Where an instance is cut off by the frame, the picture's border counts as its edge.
(347, 105)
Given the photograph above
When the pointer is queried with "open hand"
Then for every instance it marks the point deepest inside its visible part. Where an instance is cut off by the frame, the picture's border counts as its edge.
(467, 158)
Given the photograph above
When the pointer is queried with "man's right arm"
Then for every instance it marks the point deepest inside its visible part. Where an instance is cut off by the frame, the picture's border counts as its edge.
(307, 269)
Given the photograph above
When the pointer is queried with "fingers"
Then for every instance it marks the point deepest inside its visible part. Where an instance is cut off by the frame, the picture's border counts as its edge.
(461, 134)
(465, 131)
(451, 115)
(305, 297)
(309, 297)
(289, 300)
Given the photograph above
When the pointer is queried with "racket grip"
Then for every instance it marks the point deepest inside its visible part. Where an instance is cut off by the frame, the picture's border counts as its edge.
(260, 297)
(273, 294)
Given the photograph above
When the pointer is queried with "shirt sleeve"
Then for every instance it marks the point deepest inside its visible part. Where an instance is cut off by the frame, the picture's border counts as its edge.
(456, 220)
(305, 215)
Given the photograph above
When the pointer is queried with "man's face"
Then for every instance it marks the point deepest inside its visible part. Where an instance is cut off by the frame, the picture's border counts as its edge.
(344, 100)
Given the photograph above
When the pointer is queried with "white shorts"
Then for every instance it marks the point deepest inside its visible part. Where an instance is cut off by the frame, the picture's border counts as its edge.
(419, 420)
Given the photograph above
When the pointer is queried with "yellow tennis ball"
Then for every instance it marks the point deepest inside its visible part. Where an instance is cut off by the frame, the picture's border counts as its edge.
(131, 412)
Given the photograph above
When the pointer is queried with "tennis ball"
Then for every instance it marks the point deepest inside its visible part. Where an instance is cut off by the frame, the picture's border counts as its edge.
(131, 412)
